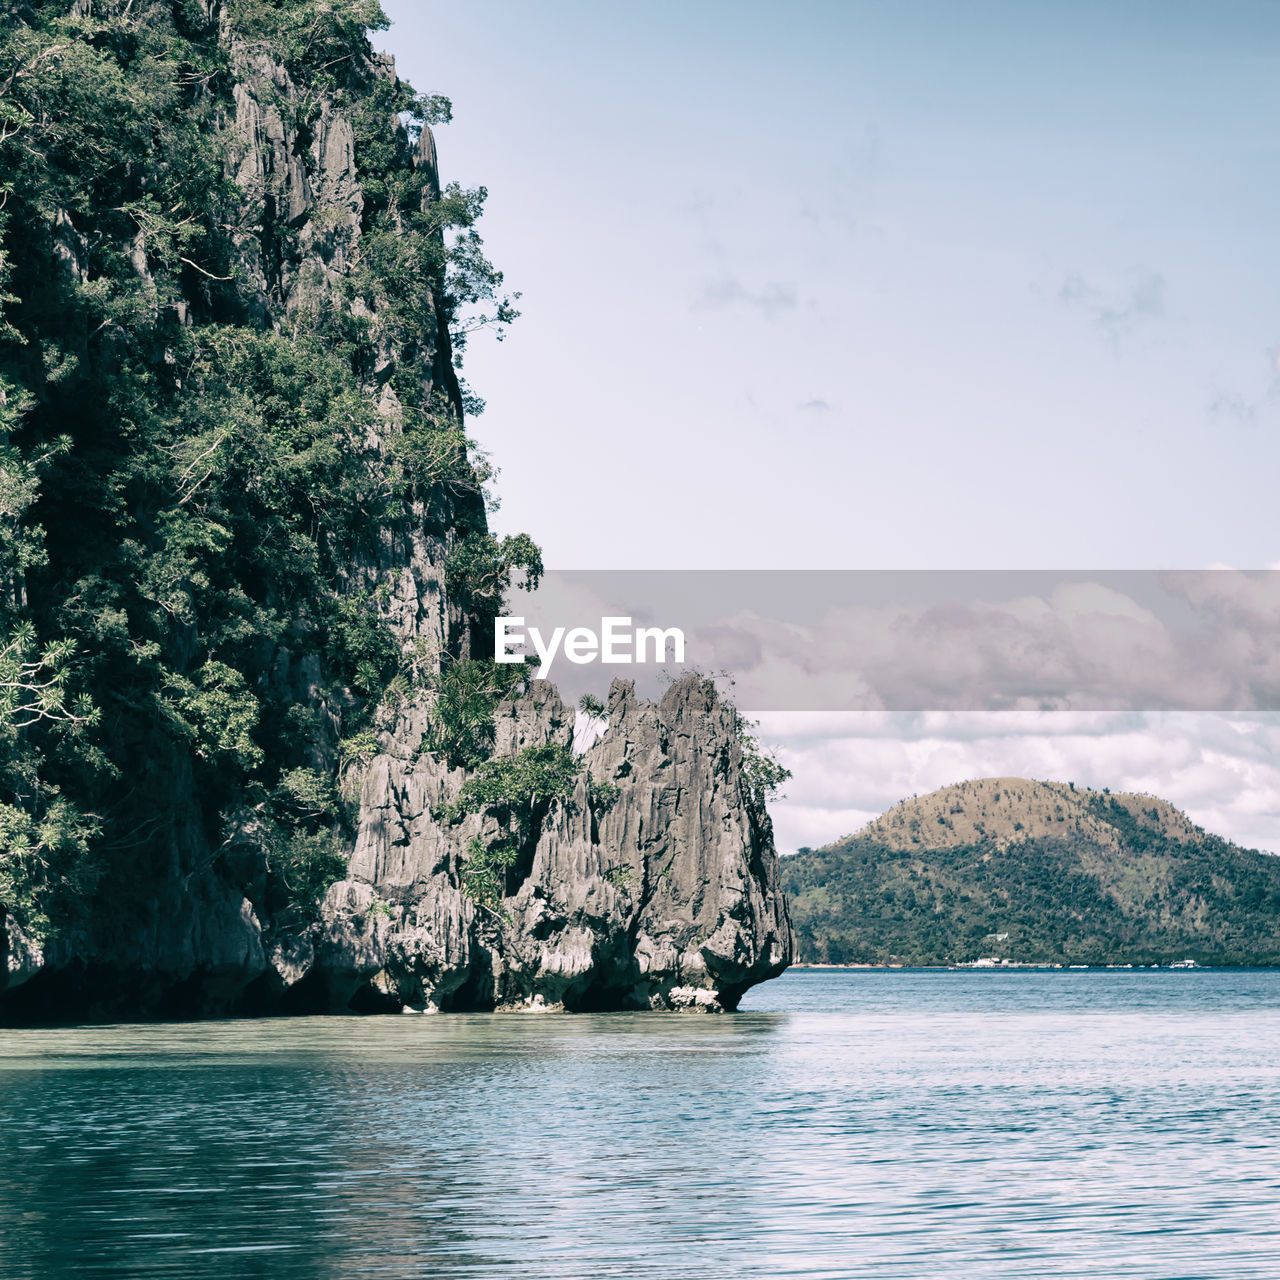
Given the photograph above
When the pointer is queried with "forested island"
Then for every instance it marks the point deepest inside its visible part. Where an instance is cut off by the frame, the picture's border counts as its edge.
(1034, 872)
(255, 755)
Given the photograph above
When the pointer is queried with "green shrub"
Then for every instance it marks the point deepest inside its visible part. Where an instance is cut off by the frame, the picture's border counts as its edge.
(602, 794)
(620, 877)
(518, 786)
(481, 568)
(301, 866)
(762, 773)
(467, 693)
(518, 791)
(484, 872)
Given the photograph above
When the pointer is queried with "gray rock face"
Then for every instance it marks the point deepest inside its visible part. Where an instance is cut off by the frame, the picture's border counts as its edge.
(667, 898)
(307, 186)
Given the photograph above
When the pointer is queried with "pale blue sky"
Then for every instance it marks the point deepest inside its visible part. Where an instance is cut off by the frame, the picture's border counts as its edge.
(905, 284)
(874, 285)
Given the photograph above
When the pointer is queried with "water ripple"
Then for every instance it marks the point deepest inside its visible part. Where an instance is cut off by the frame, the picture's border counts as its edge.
(886, 1126)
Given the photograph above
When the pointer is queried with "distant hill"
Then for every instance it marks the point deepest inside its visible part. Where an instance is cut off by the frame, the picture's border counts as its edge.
(1034, 871)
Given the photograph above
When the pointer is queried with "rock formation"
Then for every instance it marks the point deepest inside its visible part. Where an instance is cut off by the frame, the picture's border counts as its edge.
(667, 898)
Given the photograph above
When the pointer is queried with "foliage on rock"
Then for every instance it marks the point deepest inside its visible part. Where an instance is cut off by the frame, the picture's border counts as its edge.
(518, 791)
(516, 787)
(465, 694)
(484, 872)
(186, 476)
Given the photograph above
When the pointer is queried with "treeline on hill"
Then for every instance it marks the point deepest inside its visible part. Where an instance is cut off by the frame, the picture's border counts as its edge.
(1061, 900)
(185, 485)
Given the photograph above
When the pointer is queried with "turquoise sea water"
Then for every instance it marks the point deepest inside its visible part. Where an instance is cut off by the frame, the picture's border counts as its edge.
(895, 1125)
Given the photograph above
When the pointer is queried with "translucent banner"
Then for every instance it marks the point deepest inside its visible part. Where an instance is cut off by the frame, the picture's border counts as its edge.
(1200, 640)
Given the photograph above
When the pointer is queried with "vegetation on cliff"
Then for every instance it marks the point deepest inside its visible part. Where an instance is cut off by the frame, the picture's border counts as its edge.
(189, 468)
(254, 753)
(1034, 872)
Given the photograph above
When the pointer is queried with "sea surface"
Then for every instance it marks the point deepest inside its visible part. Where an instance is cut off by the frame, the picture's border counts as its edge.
(889, 1124)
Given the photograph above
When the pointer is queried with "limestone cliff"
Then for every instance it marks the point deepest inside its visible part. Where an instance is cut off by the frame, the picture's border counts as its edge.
(666, 897)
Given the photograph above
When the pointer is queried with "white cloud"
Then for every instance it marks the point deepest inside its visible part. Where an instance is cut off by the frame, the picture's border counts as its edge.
(1117, 309)
(770, 299)
(1224, 771)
